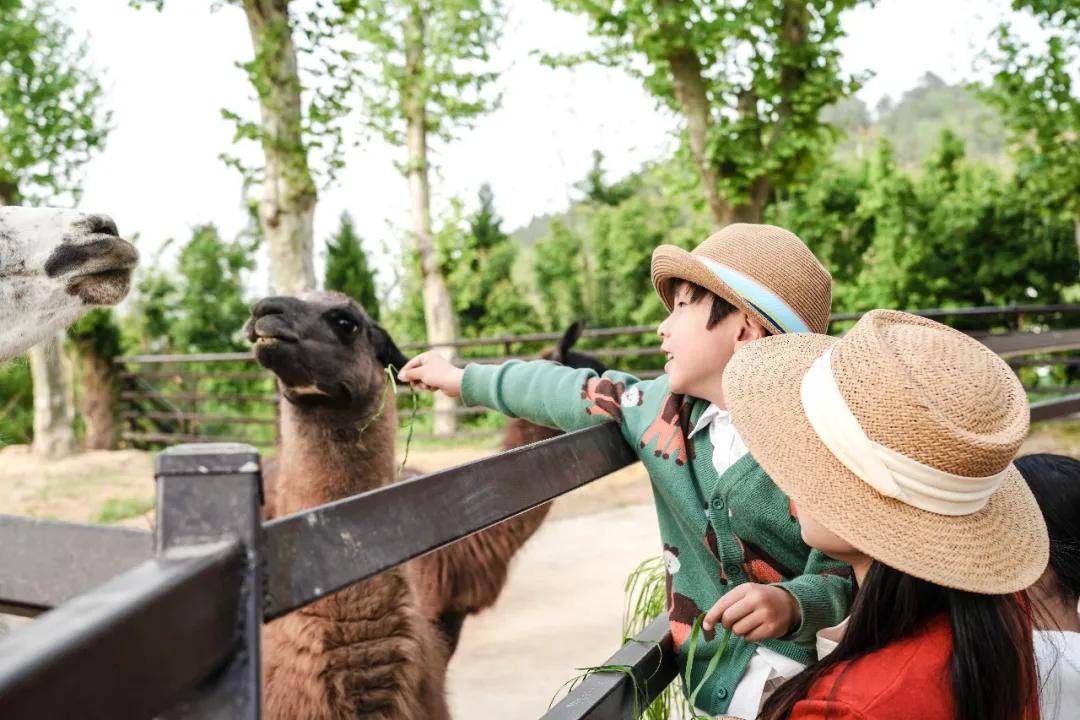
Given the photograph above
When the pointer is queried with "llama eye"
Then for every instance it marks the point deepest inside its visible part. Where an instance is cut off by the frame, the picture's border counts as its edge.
(346, 325)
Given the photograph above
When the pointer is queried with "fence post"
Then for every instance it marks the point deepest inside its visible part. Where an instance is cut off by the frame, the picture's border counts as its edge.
(208, 492)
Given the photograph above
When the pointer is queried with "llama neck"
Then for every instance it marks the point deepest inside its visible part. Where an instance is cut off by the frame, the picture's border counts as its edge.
(329, 454)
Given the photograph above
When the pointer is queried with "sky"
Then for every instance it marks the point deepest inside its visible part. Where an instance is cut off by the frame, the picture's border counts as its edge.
(167, 75)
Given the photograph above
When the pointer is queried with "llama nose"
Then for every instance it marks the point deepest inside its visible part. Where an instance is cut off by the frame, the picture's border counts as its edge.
(102, 254)
(277, 305)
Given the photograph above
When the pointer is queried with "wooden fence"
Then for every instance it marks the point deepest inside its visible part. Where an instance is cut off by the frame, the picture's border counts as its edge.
(227, 397)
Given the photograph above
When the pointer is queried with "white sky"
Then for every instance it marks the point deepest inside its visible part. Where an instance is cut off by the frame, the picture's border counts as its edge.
(167, 75)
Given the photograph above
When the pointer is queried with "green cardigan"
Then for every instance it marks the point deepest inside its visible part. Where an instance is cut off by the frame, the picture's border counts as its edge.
(718, 532)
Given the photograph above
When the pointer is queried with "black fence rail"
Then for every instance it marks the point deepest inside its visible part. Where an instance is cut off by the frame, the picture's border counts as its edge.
(227, 397)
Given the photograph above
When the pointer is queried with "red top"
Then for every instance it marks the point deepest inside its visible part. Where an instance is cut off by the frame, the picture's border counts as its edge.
(907, 679)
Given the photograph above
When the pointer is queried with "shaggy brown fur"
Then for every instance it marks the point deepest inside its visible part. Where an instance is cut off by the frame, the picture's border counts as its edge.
(468, 576)
(366, 651)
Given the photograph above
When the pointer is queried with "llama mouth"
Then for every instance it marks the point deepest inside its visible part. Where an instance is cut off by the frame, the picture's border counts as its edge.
(103, 287)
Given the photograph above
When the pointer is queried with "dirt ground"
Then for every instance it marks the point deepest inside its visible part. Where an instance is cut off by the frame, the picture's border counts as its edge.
(562, 606)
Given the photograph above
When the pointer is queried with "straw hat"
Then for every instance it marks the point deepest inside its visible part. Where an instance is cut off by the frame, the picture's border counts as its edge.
(765, 271)
(899, 438)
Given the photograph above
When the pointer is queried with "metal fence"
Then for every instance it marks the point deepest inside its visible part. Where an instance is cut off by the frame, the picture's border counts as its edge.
(217, 397)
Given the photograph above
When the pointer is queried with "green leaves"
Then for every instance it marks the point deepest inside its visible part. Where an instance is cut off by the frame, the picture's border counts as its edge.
(347, 268)
(750, 81)
(52, 117)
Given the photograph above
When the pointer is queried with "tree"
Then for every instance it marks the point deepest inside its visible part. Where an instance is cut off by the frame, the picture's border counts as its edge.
(347, 267)
(51, 122)
(96, 339)
(749, 81)
(478, 260)
(959, 233)
(431, 80)
(1034, 92)
(296, 118)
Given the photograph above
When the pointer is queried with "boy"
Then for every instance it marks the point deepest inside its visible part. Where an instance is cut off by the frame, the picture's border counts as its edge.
(732, 542)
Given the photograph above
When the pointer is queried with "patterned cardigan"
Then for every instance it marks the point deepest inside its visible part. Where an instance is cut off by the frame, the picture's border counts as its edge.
(718, 532)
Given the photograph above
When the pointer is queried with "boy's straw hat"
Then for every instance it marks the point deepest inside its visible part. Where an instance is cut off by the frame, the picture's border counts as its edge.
(765, 271)
(899, 438)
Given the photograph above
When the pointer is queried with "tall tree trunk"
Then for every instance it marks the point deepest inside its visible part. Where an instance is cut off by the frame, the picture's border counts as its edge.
(97, 403)
(287, 208)
(53, 414)
(1076, 234)
(692, 96)
(438, 307)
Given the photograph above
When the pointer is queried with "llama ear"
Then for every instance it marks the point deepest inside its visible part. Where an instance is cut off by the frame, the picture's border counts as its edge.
(571, 336)
(386, 351)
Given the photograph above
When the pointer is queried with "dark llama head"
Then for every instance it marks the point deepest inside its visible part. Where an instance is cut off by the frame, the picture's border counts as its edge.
(325, 350)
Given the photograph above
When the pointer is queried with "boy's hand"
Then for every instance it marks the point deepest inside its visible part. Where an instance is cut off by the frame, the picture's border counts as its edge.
(755, 612)
(431, 371)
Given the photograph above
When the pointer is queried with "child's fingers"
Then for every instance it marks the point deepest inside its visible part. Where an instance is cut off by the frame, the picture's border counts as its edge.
(712, 617)
(746, 627)
(409, 371)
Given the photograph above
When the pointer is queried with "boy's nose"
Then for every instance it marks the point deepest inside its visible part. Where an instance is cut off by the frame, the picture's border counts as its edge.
(660, 330)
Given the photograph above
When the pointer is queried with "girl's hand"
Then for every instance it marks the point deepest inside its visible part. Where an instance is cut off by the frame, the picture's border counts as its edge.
(431, 371)
(755, 612)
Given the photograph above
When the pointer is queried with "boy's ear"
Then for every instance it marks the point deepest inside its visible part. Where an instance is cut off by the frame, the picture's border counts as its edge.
(751, 329)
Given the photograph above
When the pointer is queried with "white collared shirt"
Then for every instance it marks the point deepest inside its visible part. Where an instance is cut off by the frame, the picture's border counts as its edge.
(727, 446)
(767, 669)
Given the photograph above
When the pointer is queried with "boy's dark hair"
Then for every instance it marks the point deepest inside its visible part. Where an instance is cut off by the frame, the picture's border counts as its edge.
(721, 308)
(1055, 482)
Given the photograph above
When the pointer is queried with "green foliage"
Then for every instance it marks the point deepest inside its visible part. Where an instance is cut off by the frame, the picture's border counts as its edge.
(16, 403)
(1035, 94)
(959, 234)
(51, 115)
(203, 308)
(97, 333)
(429, 56)
(596, 265)
(477, 258)
(294, 52)
(347, 267)
(752, 78)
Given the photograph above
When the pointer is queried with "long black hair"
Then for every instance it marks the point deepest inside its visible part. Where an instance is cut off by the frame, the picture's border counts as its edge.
(992, 671)
(1055, 482)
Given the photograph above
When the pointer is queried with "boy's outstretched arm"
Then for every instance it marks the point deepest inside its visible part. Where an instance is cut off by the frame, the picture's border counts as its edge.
(542, 392)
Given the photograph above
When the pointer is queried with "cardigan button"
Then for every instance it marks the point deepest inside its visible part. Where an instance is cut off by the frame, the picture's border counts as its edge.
(721, 693)
(731, 568)
(718, 503)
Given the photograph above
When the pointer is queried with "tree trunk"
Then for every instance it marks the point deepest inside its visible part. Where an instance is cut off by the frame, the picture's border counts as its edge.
(1076, 233)
(53, 414)
(97, 404)
(287, 208)
(438, 307)
(691, 94)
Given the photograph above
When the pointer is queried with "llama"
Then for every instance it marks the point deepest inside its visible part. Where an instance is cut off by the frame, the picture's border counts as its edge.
(464, 578)
(366, 651)
(55, 265)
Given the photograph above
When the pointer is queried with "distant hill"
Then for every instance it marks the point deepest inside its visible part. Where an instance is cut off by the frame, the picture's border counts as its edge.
(914, 123)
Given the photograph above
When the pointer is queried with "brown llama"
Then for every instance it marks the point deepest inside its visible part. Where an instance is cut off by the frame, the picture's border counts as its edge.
(366, 651)
(464, 578)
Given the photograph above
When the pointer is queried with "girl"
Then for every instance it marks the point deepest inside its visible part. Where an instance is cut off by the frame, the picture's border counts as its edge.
(895, 446)
(1055, 482)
